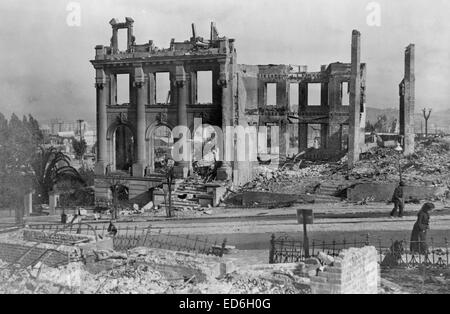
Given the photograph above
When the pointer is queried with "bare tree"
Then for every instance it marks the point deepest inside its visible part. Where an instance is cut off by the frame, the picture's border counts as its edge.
(115, 183)
(426, 117)
(168, 165)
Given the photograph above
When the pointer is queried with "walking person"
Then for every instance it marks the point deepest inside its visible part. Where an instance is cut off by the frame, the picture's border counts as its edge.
(399, 202)
(419, 232)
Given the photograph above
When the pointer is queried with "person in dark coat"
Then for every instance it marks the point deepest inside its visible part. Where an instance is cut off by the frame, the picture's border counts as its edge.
(399, 202)
(419, 232)
(112, 229)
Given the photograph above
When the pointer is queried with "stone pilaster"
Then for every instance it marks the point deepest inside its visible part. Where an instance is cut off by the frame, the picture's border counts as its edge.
(225, 172)
(181, 169)
(355, 101)
(139, 84)
(100, 167)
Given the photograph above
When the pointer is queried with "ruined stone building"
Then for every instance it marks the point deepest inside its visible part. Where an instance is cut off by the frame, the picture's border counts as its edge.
(321, 111)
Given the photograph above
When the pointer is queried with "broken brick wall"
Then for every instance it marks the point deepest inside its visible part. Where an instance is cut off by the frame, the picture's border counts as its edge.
(354, 271)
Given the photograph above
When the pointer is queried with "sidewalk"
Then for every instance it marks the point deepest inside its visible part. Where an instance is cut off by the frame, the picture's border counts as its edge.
(321, 211)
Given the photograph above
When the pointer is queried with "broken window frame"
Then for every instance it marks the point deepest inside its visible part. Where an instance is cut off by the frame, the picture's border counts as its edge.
(167, 94)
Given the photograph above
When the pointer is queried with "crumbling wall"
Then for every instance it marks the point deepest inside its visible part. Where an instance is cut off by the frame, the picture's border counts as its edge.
(354, 271)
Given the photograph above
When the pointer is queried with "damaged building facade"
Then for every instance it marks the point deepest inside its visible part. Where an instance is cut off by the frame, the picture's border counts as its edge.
(320, 113)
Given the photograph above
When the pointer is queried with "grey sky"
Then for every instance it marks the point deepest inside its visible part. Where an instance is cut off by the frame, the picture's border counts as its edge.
(45, 67)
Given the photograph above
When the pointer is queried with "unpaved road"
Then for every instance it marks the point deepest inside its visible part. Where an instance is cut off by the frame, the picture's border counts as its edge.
(251, 229)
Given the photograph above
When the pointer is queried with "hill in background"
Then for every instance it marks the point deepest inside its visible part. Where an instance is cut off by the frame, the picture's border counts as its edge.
(439, 120)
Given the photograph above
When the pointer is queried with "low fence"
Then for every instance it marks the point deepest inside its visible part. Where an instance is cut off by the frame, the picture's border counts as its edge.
(157, 239)
(128, 238)
(395, 253)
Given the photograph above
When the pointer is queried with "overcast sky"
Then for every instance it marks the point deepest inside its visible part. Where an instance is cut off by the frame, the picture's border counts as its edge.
(45, 67)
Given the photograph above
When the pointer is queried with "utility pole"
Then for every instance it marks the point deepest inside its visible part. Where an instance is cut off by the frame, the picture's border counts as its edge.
(426, 117)
(79, 127)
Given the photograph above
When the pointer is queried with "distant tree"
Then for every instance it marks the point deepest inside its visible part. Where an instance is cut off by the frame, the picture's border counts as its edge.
(117, 187)
(33, 126)
(87, 174)
(382, 124)
(426, 117)
(51, 166)
(369, 127)
(3, 122)
(18, 143)
(80, 147)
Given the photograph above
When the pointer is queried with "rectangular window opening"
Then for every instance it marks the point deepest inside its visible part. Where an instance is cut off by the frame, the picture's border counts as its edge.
(293, 97)
(293, 139)
(271, 94)
(123, 89)
(344, 137)
(122, 40)
(314, 93)
(204, 87)
(162, 88)
(345, 94)
(314, 135)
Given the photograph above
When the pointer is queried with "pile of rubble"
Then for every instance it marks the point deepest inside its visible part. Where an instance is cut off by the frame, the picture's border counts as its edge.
(144, 270)
(286, 181)
(429, 165)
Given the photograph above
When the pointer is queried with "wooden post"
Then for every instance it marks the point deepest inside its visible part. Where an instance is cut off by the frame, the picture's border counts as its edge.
(272, 249)
(305, 236)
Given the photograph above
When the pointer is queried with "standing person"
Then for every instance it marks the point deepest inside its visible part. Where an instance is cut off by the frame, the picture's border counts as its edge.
(399, 202)
(419, 232)
(112, 229)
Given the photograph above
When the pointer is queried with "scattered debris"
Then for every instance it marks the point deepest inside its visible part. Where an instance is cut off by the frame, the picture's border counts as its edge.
(145, 270)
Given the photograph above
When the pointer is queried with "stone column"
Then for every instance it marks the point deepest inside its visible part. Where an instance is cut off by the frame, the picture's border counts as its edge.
(139, 84)
(114, 40)
(28, 203)
(407, 110)
(225, 172)
(53, 203)
(355, 101)
(100, 85)
(283, 103)
(181, 169)
(152, 89)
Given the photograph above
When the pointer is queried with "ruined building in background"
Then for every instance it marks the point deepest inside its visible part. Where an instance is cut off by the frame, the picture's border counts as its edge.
(321, 112)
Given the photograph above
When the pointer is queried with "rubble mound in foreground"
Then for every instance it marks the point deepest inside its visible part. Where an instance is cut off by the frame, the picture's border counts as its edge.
(143, 271)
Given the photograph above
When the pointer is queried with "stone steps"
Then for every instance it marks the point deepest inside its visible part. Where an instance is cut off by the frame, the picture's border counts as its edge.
(191, 189)
(331, 189)
(188, 187)
(323, 198)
